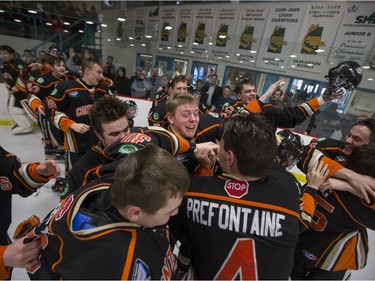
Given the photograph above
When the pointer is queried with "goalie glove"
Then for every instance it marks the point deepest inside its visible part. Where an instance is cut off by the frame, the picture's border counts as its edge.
(24, 227)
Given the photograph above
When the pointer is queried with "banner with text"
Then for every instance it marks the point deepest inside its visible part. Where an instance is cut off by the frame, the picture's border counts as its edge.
(316, 36)
(152, 23)
(140, 24)
(356, 35)
(202, 31)
(225, 25)
(167, 28)
(185, 23)
(283, 25)
(249, 33)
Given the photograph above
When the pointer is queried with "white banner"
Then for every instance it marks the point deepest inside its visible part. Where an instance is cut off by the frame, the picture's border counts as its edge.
(283, 25)
(225, 25)
(356, 35)
(316, 36)
(202, 31)
(249, 33)
(140, 24)
(167, 28)
(152, 23)
(184, 32)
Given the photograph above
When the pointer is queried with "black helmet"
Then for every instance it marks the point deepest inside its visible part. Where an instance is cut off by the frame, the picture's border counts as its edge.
(344, 77)
(290, 149)
(132, 108)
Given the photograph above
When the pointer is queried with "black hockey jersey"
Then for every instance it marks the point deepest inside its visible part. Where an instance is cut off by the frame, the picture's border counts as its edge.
(84, 237)
(72, 100)
(240, 229)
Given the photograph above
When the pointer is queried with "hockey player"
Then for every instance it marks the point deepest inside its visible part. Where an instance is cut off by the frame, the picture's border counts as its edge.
(123, 218)
(40, 89)
(342, 78)
(337, 241)
(251, 210)
(71, 102)
(23, 179)
(11, 69)
(108, 119)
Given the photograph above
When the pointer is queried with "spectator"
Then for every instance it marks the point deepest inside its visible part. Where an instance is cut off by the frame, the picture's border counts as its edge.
(211, 92)
(277, 99)
(140, 88)
(122, 83)
(155, 82)
(224, 100)
(197, 92)
(109, 69)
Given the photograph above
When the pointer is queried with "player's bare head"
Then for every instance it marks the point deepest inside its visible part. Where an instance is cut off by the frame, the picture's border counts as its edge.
(180, 99)
(243, 82)
(106, 110)
(8, 49)
(362, 160)
(177, 79)
(148, 178)
(252, 139)
(370, 124)
(88, 64)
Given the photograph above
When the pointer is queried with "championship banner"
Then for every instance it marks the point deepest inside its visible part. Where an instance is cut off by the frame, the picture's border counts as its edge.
(184, 32)
(283, 26)
(140, 24)
(316, 36)
(202, 31)
(249, 33)
(225, 25)
(356, 35)
(152, 23)
(167, 28)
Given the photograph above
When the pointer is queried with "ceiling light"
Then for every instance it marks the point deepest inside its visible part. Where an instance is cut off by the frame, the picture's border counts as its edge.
(48, 23)
(210, 43)
(118, 39)
(253, 52)
(32, 11)
(222, 36)
(370, 79)
(66, 23)
(195, 43)
(17, 20)
(365, 67)
(121, 19)
(131, 45)
(148, 36)
(319, 51)
(180, 46)
(89, 22)
(293, 56)
(109, 40)
(277, 59)
(143, 45)
(131, 38)
(104, 25)
(168, 27)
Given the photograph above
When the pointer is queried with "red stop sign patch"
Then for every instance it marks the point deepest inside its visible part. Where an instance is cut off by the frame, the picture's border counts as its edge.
(236, 188)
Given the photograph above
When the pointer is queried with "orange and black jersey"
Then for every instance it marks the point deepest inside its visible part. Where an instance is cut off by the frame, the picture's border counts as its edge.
(241, 229)
(15, 178)
(70, 102)
(41, 87)
(284, 117)
(10, 71)
(80, 174)
(337, 238)
(85, 237)
(229, 110)
(158, 115)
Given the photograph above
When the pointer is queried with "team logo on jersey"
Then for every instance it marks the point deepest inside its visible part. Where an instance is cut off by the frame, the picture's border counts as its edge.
(156, 116)
(216, 115)
(54, 92)
(309, 255)
(141, 271)
(127, 149)
(236, 188)
(20, 66)
(73, 94)
(40, 80)
(64, 208)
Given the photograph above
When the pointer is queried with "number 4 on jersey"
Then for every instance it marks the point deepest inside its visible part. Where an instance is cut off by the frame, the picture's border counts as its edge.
(240, 262)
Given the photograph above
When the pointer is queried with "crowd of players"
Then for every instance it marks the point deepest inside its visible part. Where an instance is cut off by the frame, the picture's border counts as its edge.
(225, 200)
